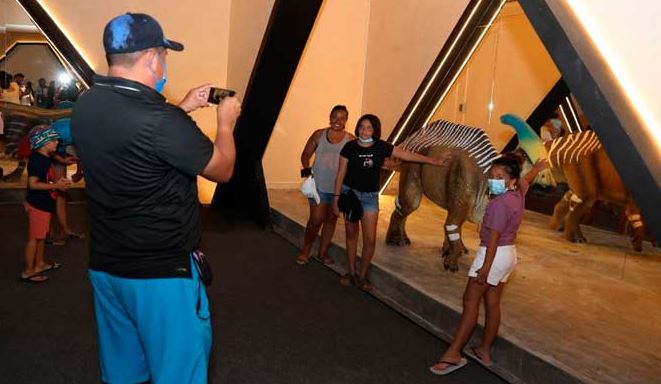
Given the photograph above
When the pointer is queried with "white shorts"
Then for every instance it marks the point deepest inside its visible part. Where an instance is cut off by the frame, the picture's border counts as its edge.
(503, 264)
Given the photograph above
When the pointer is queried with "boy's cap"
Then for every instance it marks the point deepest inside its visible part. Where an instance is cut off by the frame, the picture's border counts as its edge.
(41, 135)
(132, 32)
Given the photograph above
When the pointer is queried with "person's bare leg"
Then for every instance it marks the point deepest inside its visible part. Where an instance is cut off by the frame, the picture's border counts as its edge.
(317, 214)
(30, 270)
(327, 232)
(29, 257)
(491, 323)
(61, 214)
(59, 231)
(368, 224)
(352, 248)
(39, 258)
(472, 297)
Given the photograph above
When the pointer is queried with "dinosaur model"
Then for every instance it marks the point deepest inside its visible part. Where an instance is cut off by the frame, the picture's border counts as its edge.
(591, 176)
(459, 186)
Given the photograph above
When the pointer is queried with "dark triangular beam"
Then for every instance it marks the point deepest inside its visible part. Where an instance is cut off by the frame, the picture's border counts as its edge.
(58, 39)
(284, 41)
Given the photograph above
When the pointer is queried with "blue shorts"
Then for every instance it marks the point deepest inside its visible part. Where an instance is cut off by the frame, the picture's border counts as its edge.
(152, 329)
(324, 198)
(369, 200)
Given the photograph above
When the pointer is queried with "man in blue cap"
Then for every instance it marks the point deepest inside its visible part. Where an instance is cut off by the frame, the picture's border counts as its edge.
(141, 157)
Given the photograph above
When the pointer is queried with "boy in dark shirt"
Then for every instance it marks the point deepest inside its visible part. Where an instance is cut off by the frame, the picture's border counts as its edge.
(40, 202)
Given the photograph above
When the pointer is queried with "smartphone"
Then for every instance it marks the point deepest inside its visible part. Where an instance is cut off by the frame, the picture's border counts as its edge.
(218, 94)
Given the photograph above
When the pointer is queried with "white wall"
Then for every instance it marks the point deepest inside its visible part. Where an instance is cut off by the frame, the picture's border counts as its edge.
(329, 73)
(12, 13)
(404, 39)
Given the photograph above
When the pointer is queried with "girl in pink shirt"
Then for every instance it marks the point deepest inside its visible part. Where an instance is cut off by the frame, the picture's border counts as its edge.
(494, 262)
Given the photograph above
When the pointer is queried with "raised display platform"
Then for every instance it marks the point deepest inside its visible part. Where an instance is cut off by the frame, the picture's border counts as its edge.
(571, 312)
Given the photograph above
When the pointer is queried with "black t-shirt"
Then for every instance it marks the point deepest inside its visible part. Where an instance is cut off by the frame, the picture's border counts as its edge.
(41, 166)
(141, 157)
(364, 166)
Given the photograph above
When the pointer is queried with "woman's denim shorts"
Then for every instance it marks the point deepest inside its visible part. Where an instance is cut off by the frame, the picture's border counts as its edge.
(324, 198)
(369, 200)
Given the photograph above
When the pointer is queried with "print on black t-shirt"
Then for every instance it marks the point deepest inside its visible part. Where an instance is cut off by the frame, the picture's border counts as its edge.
(364, 164)
(368, 162)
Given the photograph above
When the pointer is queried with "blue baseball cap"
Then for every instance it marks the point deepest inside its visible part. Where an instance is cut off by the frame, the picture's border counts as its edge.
(132, 32)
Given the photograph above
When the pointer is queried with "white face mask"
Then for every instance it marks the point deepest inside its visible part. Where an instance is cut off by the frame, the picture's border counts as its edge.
(365, 141)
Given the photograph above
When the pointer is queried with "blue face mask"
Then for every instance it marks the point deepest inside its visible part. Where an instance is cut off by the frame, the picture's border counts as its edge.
(496, 186)
(160, 83)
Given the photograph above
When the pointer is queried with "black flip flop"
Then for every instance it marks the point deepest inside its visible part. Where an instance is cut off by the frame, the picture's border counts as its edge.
(51, 267)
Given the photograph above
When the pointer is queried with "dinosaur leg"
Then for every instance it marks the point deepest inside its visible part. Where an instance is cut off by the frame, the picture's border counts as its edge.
(408, 200)
(572, 230)
(633, 215)
(583, 182)
(453, 246)
(559, 212)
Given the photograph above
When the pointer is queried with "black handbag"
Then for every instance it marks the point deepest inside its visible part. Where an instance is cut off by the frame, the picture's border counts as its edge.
(349, 204)
(203, 267)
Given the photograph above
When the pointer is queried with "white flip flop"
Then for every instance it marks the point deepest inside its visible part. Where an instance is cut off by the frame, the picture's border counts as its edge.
(451, 367)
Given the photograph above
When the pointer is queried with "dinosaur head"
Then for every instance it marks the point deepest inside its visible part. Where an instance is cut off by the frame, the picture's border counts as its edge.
(529, 141)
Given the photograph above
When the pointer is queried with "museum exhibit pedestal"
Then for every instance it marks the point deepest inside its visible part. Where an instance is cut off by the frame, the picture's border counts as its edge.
(571, 312)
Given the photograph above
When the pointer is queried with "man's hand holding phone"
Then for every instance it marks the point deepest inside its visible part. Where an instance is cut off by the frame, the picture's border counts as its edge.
(204, 96)
(196, 98)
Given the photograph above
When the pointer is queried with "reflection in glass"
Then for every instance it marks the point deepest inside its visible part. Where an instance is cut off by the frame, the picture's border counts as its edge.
(34, 80)
(511, 73)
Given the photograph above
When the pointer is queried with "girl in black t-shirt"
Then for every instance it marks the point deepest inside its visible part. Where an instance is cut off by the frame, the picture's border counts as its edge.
(359, 169)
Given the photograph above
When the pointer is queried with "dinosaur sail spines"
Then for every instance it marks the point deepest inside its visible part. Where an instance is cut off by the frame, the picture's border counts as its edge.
(572, 147)
(473, 140)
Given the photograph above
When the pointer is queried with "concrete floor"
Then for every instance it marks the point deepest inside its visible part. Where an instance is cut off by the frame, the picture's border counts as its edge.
(592, 310)
(273, 321)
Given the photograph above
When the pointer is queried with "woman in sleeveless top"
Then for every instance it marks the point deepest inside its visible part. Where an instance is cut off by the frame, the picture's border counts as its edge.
(325, 144)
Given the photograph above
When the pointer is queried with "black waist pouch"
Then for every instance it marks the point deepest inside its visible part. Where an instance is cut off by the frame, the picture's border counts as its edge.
(349, 204)
(203, 267)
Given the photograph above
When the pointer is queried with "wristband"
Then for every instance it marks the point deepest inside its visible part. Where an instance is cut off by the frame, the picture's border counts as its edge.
(305, 172)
